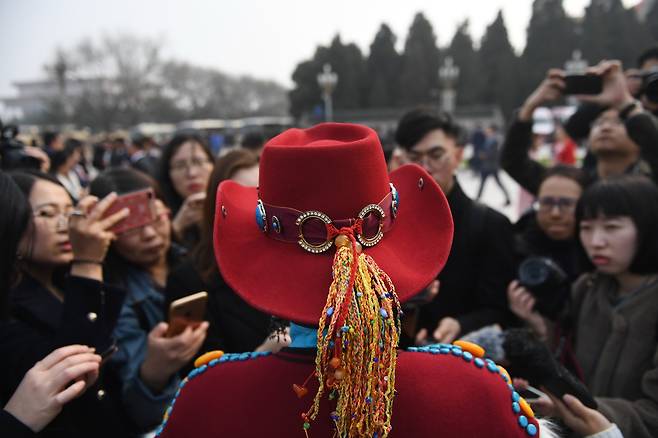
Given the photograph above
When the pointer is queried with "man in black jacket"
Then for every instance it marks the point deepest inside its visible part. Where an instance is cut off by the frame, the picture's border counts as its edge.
(480, 265)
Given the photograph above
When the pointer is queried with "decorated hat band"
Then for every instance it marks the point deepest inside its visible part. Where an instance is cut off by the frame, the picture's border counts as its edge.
(315, 231)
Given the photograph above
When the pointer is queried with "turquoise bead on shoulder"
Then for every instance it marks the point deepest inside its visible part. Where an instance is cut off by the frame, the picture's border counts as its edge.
(202, 363)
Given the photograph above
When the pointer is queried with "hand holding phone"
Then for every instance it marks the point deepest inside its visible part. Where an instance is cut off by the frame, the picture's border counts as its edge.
(187, 311)
(90, 227)
(140, 206)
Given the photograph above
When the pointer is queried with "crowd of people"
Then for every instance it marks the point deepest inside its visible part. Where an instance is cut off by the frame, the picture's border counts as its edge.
(85, 337)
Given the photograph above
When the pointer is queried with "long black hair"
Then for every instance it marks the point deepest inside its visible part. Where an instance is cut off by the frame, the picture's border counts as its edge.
(633, 196)
(172, 198)
(15, 219)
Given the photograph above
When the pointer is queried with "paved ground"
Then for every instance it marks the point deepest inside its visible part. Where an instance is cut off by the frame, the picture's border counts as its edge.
(492, 196)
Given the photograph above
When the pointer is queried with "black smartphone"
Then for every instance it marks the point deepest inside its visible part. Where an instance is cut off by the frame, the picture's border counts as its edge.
(107, 354)
(583, 84)
(531, 394)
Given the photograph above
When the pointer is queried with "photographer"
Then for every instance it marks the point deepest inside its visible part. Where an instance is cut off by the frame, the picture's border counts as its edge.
(234, 326)
(185, 168)
(46, 387)
(139, 260)
(623, 138)
(549, 255)
(49, 309)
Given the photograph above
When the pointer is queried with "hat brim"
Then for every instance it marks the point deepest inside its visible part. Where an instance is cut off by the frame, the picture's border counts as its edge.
(284, 280)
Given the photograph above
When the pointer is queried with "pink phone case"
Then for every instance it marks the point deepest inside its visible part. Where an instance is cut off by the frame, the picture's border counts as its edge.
(139, 203)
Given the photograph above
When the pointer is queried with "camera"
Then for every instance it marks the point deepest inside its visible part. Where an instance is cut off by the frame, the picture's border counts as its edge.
(12, 151)
(547, 282)
(650, 84)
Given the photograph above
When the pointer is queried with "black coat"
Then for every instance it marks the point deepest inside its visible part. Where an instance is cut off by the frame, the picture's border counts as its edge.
(39, 323)
(13, 428)
(235, 326)
(474, 281)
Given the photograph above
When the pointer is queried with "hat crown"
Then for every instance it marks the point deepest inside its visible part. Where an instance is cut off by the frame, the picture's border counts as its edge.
(334, 168)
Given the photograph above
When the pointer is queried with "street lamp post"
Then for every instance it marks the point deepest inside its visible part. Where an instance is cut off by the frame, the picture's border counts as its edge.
(576, 65)
(327, 81)
(448, 74)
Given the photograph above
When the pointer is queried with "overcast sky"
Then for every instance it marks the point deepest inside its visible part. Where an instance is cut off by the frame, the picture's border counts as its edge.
(262, 38)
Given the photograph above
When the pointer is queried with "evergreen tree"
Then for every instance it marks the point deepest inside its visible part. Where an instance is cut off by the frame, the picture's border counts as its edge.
(306, 93)
(651, 22)
(551, 40)
(500, 69)
(466, 58)
(382, 69)
(420, 63)
(610, 31)
(348, 62)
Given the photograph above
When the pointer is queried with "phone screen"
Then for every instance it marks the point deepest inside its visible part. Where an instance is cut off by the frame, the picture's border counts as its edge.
(531, 393)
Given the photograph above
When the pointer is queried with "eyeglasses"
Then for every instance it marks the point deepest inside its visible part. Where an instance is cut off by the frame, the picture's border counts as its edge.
(54, 216)
(548, 203)
(185, 166)
(434, 154)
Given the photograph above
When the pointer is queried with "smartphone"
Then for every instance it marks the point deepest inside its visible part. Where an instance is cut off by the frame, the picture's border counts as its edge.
(140, 204)
(531, 394)
(107, 354)
(186, 311)
(583, 84)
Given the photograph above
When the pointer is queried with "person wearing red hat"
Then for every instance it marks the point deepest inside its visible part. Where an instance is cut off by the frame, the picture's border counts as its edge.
(333, 243)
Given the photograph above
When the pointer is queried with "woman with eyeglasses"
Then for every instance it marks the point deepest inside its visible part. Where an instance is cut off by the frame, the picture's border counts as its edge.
(185, 168)
(547, 249)
(235, 326)
(147, 362)
(59, 316)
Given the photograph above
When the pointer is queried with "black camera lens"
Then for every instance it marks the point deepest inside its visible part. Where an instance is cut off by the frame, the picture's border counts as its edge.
(546, 281)
(535, 271)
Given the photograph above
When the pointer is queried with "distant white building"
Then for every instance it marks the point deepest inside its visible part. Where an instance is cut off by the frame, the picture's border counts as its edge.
(33, 96)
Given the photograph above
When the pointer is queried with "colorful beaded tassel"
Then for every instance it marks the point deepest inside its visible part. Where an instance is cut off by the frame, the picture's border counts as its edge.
(357, 339)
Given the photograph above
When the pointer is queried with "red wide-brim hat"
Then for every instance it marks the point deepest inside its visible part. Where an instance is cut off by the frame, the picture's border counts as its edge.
(337, 170)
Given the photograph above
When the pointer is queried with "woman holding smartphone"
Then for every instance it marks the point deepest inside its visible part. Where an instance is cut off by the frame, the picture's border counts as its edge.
(185, 168)
(139, 260)
(59, 315)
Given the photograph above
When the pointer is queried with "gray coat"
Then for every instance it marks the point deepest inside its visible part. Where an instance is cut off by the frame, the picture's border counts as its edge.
(617, 348)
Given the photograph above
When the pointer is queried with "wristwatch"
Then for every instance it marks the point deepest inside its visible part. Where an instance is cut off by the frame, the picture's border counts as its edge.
(626, 110)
